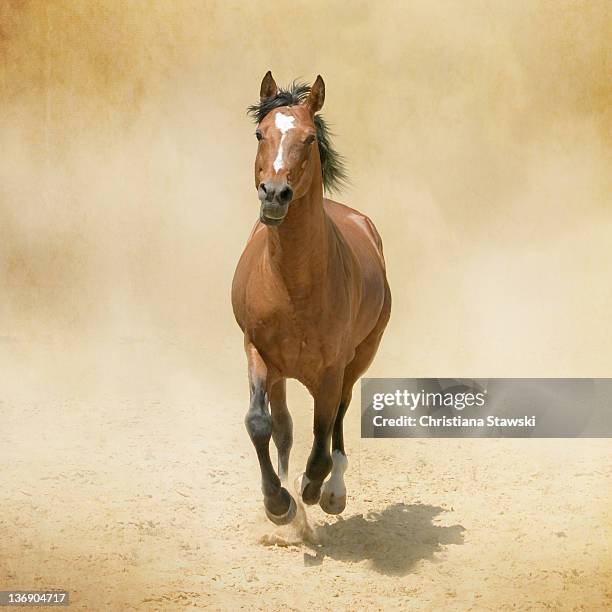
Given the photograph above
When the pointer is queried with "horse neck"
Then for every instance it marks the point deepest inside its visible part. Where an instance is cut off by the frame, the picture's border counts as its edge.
(299, 247)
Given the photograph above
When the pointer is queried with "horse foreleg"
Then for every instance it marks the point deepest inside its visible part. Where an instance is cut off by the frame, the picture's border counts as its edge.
(282, 427)
(279, 505)
(326, 401)
(333, 495)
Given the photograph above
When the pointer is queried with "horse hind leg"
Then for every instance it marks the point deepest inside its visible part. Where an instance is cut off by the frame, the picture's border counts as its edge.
(319, 464)
(333, 494)
(282, 427)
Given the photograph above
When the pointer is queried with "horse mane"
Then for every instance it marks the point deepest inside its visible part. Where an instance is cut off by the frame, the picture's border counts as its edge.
(333, 167)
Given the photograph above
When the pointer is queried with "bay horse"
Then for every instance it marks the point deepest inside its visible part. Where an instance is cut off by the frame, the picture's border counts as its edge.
(310, 294)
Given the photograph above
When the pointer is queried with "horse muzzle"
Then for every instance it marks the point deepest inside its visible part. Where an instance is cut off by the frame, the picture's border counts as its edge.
(275, 198)
(270, 214)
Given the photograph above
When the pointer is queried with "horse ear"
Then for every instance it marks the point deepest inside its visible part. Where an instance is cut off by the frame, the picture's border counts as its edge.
(268, 87)
(316, 97)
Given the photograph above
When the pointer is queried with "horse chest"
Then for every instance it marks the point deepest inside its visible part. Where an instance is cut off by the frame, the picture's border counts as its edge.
(297, 342)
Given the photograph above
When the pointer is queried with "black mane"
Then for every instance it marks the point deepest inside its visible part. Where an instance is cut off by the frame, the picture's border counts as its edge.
(332, 163)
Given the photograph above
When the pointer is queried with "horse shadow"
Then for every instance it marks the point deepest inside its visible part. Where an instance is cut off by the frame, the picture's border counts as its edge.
(393, 540)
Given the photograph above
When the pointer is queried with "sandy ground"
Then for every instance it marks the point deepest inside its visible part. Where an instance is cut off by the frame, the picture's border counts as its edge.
(150, 501)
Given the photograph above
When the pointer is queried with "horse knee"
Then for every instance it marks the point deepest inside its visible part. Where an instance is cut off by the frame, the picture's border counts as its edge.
(258, 422)
(259, 427)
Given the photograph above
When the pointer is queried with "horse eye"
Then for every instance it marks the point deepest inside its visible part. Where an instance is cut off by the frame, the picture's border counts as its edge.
(309, 139)
(258, 135)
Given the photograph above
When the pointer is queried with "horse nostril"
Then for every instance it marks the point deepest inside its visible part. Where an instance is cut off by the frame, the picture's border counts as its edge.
(285, 194)
(262, 187)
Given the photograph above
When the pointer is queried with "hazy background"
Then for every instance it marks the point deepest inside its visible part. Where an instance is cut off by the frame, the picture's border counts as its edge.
(477, 136)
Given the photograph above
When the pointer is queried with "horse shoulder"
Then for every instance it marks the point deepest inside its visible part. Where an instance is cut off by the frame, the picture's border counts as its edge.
(249, 288)
(361, 236)
(354, 225)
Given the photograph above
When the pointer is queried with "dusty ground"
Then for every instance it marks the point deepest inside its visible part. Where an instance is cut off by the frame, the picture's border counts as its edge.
(150, 501)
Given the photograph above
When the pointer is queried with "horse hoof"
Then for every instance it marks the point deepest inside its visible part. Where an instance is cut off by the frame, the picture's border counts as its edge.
(311, 491)
(283, 519)
(331, 503)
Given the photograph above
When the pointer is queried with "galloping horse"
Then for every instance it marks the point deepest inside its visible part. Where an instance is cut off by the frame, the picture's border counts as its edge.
(310, 294)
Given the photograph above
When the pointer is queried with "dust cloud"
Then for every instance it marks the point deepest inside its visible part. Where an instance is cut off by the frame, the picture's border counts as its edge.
(477, 139)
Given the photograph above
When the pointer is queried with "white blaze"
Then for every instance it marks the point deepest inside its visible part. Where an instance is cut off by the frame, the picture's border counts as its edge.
(284, 123)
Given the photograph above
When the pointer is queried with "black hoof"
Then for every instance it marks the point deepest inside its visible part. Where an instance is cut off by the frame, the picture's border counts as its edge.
(287, 516)
(311, 493)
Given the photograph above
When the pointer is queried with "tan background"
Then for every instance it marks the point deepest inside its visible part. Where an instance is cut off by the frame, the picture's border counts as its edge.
(478, 139)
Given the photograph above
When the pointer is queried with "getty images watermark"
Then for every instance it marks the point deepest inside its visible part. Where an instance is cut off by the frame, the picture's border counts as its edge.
(428, 400)
(473, 408)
